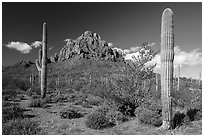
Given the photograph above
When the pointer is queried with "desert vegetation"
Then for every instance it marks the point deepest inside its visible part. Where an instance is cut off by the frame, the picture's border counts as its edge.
(88, 88)
(103, 95)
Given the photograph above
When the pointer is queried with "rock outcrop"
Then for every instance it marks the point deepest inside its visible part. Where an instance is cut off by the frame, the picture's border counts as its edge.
(54, 58)
(88, 45)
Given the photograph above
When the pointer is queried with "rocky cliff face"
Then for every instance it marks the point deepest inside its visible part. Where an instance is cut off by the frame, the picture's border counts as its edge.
(88, 45)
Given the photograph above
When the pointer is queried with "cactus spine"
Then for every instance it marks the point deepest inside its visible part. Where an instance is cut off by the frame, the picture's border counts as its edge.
(41, 64)
(167, 58)
(178, 87)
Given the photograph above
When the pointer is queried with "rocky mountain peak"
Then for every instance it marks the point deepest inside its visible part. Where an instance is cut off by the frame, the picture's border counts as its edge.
(88, 45)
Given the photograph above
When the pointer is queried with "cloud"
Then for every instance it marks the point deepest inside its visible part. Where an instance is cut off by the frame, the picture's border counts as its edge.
(19, 46)
(193, 58)
(129, 56)
(133, 51)
(128, 53)
(22, 46)
(36, 44)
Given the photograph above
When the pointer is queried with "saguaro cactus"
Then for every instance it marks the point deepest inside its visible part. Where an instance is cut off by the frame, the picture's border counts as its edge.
(178, 87)
(58, 83)
(167, 58)
(41, 64)
(32, 79)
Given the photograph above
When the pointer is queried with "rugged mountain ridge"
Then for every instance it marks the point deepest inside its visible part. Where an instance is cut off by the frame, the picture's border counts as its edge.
(89, 45)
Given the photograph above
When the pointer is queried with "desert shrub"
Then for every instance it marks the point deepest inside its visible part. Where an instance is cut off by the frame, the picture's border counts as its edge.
(9, 94)
(61, 98)
(33, 91)
(36, 90)
(116, 117)
(22, 84)
(86, 105)
(125, 100)
(52, 85)
(20, 127)
(148, 116)
(70, 113)
(194, 114)
(54, 98)
(92, 101)
(36, 96)
(79, 98)
(103, 117)
(11, 111)
(150, 111)
(41, 103)
(183, 118)
(9, 82)
(22, 97)
(98, 120)
(179, 119)
(77, 85)
(198, 115)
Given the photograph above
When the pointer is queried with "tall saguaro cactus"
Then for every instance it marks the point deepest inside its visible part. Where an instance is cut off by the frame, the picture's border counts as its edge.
(41, 64)
(167, 58)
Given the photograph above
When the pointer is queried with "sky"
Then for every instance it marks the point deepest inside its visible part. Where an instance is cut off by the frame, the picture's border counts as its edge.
(125, 25)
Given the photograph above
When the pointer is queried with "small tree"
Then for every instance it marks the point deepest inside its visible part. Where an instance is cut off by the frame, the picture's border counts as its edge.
(139, 69)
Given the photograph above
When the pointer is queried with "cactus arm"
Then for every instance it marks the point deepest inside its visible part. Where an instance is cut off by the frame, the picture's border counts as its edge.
(37, 63)
(40, 56)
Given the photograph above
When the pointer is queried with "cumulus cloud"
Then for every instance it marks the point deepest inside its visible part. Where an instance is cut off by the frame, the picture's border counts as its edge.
(22, 46)
(36, 44)
(128, 53)
(130, 56)
(184, 58)
(133, 51)
(192, 58)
